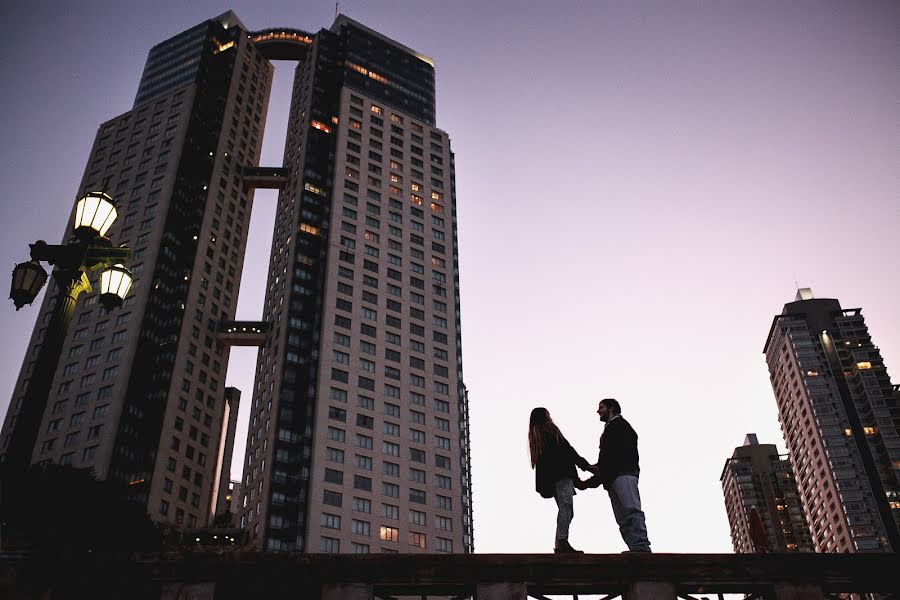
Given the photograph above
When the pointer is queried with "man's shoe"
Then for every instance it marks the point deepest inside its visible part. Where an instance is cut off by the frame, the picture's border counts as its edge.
(638, 551)
(563, 547)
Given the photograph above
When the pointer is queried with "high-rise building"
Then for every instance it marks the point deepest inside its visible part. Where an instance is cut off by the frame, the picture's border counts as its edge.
(358, 434)
(757, 476)
(358, 438)
(839, 415)
(139, 394)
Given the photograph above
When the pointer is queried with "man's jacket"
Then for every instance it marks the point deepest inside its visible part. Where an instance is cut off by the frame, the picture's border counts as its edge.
(618, 453)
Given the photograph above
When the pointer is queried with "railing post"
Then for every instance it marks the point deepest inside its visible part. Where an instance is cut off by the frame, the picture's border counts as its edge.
(798, 591)
(649, 590)
(347, 591)
(501, 591)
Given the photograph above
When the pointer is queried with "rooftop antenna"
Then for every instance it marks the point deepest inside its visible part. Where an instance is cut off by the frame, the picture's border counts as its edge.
(336, 12)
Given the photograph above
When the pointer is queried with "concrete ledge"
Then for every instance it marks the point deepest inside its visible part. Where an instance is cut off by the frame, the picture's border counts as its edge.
(241, 574)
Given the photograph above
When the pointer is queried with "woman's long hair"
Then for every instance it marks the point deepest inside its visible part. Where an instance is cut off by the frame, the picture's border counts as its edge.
(541, 429)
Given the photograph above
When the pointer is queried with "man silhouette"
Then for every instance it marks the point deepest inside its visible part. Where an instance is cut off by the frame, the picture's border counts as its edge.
(617, 470)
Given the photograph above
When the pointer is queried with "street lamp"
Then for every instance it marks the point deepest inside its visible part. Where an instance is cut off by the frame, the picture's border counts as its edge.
(95, 212)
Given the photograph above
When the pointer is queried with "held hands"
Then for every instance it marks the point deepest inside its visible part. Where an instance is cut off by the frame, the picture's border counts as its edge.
(593, 482)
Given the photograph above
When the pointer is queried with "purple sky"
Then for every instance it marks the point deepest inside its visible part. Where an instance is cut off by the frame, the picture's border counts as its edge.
(640, 185)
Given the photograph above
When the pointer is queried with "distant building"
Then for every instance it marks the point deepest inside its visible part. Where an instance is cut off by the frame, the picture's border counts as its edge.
(757, 476)
(839, 415)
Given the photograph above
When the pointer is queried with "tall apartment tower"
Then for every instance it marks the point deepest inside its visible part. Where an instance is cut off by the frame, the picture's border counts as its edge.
(757, 476)
(139, 394)
(358, 437)
(839, 415)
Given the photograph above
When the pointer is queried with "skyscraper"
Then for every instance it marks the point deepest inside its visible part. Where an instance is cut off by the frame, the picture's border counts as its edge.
(838, 412)
(139, 396)
(757, 476)
(358, 431)
(358, 437)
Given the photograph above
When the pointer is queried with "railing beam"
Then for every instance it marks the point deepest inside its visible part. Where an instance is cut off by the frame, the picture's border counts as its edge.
(501, 591)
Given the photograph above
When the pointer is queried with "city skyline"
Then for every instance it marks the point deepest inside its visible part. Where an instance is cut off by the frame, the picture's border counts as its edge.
(795, 137)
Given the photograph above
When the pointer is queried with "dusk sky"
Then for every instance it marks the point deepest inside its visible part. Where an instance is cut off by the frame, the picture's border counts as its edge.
(641, 187)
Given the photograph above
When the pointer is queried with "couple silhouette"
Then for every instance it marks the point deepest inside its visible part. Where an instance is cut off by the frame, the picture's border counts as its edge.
(554, 462)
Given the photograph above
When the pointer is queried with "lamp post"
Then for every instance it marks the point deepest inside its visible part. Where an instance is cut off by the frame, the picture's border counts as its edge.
(90, 251)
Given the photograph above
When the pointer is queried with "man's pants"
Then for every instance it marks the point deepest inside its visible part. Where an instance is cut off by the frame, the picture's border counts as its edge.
(565, 491)
(626, 505)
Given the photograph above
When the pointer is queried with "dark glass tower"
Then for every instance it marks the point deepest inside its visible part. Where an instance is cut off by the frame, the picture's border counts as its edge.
(358, 438)
(139, 396)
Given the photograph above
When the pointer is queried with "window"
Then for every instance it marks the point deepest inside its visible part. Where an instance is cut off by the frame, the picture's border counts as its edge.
(417, 517)
(416, 455)
(417, 436)
(445, 523)
(334, 476)
(330, 521)
(390, 469)
(362, 483)
(362, 505)
(444, 502)
(416, 475)
(389, 534)
(338, 414)
(337, 435)
(364, 462)
(334, 455)
(391, 490)
(360, 527)
(417, 496)
(391, 448)
(332, 498)
(389, 511)
(329, 545)
(443, 482)
(391, 429)
(444, 545)
(363, 441)
(417, 417)
(417, 539)
(366, 402)
(365, 421)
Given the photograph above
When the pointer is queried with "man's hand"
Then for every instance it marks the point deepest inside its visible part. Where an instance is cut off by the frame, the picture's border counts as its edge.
(593, 482)
(595, 469)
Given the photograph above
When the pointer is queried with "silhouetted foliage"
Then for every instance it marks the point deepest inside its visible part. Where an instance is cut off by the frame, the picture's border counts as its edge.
(60, 510)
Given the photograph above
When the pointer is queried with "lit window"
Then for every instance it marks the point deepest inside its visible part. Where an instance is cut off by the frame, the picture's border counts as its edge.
(863, 365)
(870, 430)
(390, 534)
(376, 109)
(325, 128)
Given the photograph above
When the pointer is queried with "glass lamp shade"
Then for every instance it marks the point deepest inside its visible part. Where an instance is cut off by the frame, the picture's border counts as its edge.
(94, 213)
(27, 280)
(114, 285)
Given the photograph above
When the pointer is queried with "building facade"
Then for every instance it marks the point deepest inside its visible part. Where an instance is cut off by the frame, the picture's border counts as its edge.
(358, 438)
(358, 434)
(757, 476)
(139, 395)
(839, 413)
